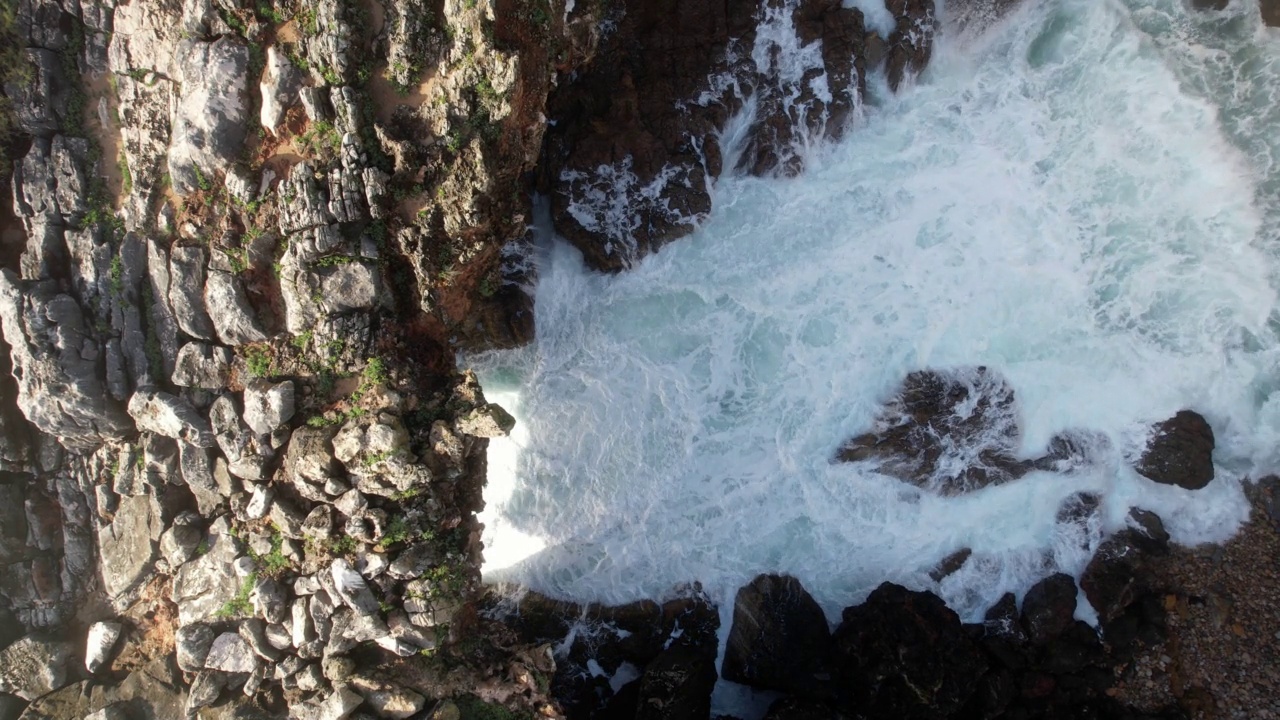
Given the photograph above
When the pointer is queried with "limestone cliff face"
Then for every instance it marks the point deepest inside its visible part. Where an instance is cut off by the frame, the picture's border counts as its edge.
(245, 243)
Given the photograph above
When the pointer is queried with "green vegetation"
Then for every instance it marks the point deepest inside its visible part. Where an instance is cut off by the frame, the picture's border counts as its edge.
(239, 605)
(258, 360)
(238, 257)
(117, 275)
(398, 531)
(126, 177)
(334, 260)
(321, 137)
(234, 21)
(375, 371)
(267, 12)
(274, 563)
(202, 182)
(306, 18)
(14, 68)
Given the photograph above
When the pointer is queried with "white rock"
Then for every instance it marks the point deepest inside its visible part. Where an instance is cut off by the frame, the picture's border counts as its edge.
(101, 641)
(230, 653)
(267, 406)
(352, 588)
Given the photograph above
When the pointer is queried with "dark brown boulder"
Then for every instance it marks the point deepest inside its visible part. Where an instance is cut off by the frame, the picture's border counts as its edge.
(949, 432)
(904, 655)
(634, 144)
(950, 564)
(779, 640)
(1049, 608)
(1271, 12)
(911, 44)
(1180, 452)
(1003, 636)
(1115, 577)
(786, 111)
(1149, 534)
(677, 685)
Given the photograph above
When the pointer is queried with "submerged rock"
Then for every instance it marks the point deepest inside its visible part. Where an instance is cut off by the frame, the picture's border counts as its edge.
(947, 432)
(779, 640)
(1180, 452)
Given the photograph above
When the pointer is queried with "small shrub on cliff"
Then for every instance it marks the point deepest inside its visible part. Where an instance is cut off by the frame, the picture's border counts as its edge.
(258, 360)
(13, 68)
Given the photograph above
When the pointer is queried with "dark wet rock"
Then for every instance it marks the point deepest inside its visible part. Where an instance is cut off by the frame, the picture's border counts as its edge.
(950, 564)
(1149, 534)
(1073, 449)
(911, 44)
(1003, 635)
(1078, 509)
(1271, 12)
(1049, 607)
(1075, 649)
(633, 148)
(677, 686)
(789, 708)
(788, 113)
(779, 640)
(1114, 577)
(904, 654)
(1180, 452)
(939, 422)
(995, 692)
(623, 132)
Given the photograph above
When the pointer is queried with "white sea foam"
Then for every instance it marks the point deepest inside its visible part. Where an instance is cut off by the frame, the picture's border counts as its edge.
(1083, 200)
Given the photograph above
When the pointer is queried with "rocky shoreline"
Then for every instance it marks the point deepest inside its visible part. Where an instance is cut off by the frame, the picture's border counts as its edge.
(240, 468)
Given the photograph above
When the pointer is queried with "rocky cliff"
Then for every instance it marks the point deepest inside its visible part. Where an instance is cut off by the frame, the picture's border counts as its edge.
(239, 468)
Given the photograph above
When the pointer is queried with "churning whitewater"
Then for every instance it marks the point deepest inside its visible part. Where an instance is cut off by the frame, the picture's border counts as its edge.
(1080, 197)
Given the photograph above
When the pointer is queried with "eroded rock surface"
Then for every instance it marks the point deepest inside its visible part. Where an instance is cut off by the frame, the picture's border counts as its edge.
(949, 432)
(1180, 452)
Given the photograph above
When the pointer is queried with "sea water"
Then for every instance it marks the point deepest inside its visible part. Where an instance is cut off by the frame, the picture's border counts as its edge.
(1080, 197)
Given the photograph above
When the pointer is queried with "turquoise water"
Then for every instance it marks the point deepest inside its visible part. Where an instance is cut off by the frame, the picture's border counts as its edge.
(1082, 197)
